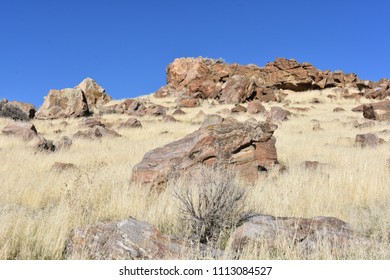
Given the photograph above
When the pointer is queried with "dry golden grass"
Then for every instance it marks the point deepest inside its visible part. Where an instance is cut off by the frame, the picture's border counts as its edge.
(39, 207)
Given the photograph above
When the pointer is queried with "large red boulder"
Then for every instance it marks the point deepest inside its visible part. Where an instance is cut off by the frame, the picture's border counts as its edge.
(249, 147)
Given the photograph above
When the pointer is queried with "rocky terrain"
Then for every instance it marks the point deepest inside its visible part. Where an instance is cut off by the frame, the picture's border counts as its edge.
(89, 177)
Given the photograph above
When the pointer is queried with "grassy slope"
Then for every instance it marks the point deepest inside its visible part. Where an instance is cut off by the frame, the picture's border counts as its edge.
(38, 207)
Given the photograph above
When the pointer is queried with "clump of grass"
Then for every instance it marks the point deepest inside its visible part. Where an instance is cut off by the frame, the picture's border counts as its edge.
(211, 204)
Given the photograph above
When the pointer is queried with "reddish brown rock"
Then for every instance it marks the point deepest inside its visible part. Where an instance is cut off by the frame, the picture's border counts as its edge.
(131, 123)
(16, 110)
(156, 110)
(230, 143)
(377, 111)
(306, 235)
(129, 240)
(96, 96)
(26, 131)
(187, 102)
(63, 103)
(278, 114)
(255, 107)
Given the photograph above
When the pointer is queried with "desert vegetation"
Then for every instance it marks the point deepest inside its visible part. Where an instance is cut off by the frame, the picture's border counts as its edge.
(40, 206)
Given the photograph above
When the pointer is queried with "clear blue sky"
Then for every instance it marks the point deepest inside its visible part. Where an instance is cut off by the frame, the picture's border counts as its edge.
(126, 45)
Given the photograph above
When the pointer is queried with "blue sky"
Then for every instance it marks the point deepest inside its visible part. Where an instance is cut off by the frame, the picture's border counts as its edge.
(126, 45)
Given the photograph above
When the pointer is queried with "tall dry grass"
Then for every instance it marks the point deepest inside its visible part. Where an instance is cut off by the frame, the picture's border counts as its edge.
(38, 206)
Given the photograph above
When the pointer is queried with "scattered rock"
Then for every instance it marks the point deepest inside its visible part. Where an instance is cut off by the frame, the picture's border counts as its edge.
(95, 133)
(187, 102)
(178, 112)
(63, 103)
(91, 122)
(131, 123)
(64, 143)
(128, 240)
(25, 130)
(368, 140)
(45, 145)
(156, 110)
(199, 118)
(255, 107)
(238, 109)
(338, 109)
(16, 110)
(307, 235)
(247, 147)
(278, 114)
(168, 118)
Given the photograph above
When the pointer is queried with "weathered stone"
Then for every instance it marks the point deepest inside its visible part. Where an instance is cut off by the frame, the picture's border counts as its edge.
(96, 96)
(156, 110)
(95, 133)
(129, 240)
(26, 131)
(16, 110)
(212, 120)
(306, 235)
(63, 103)
(255, 107)
(131, 123)
(238, 109)
(338, 109)
(91, 122)
(278, 114)
(64, 143)
(231, 143)
(368, 140)
(45, 145)
(178, 112)
(187, 102)
(168, 118)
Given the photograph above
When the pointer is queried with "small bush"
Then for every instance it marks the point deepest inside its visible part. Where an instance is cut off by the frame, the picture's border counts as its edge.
(211, 204)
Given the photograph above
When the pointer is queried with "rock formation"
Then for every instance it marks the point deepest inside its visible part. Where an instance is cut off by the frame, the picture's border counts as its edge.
(63, 103)
(202, 78)
(248, 147)
(96, 95)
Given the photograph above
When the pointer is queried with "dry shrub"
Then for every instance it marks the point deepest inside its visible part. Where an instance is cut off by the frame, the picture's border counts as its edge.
(211, 204)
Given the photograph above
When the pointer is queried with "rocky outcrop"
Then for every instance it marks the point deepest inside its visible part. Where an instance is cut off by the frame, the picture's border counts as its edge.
(202, 78)
(64, 103)
(379, 90)
(96, 96)
(16, 110)
(128, 240)
(249, 147)
(306, 235)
